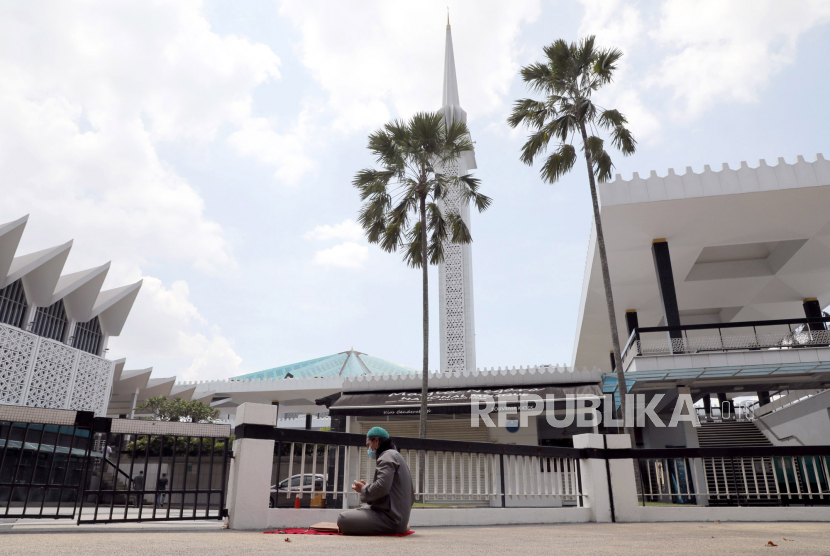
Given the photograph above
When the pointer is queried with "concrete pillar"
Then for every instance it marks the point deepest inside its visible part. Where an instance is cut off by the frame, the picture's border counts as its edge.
(594, 479)
(249, 482)
(690, 433)
(631, 320)
(665, 284)
(133, 403)
(763, 397)
(595, 474)
(308, 421)
(812, 310)
(277, 420)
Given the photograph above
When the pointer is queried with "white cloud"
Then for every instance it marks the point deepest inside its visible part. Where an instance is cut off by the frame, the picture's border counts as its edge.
(372, 57)
(86, 95)
(620, 25)
(166, 331)
(348, 230)
(614, 22)
(286, 152)
(89, 91)
(728, 50)
(345, 255)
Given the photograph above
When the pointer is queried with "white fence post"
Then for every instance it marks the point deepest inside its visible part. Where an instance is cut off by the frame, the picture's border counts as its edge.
(594, 478)
(623, 481)
(249, 483)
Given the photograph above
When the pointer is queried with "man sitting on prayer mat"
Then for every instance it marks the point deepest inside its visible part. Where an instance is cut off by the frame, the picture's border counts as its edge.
(390, 495)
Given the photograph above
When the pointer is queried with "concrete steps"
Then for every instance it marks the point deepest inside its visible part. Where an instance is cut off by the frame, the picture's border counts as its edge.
(731, 433)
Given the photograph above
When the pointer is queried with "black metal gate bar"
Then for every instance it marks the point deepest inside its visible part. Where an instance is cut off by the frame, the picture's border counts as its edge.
(186, 462)
(198, 475)
(47, 488)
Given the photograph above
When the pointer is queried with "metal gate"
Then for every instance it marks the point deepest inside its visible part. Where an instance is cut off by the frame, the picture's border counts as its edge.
(67, 464)
(43, 457)
(155, 471)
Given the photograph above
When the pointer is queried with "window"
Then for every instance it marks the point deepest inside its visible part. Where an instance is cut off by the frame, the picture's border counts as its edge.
(307, 480)
(50, 322)
(295, 481)
(88, 336)
(13, 304)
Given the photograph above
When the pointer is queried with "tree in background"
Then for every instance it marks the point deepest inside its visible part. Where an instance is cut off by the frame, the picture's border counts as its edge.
(402, 200)
(179, 410)
(568, 78)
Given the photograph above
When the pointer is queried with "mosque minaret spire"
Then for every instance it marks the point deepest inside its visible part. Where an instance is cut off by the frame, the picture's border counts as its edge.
(455, 273)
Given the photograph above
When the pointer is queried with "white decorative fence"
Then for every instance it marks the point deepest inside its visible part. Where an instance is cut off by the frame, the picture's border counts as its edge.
(38, 372)
(450, 477)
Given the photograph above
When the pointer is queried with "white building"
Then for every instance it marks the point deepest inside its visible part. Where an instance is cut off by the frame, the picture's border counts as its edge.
(720, 258)
(54, 327)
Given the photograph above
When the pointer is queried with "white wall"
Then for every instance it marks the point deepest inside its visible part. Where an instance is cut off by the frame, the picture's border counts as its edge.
(808, 421)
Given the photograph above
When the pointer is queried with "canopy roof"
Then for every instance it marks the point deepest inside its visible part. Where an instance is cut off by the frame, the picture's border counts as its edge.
(343, 364)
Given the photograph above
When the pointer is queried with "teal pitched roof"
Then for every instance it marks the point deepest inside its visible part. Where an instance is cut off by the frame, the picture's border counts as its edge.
(344, 364)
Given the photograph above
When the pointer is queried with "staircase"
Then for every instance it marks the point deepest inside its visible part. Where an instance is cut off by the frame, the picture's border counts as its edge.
(724, 434)
(751, 477)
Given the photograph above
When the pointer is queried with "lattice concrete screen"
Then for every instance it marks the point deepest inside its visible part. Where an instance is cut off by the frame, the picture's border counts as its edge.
(38, 372)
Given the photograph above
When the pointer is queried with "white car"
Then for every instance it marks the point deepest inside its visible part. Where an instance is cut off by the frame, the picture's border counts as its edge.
(279, 494)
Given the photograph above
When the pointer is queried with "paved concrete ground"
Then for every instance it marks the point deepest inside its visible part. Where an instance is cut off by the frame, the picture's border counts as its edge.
(206, 539)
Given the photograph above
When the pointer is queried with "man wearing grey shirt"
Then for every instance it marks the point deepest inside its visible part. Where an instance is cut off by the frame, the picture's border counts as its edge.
(390, 495)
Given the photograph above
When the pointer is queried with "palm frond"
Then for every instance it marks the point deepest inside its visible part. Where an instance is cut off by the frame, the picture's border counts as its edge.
(558, 164)
(611, 118)
(468, 186)
(531, 113)
(606, 63)
(623, 140)
(599, 158)
(459, 233)
(412, 255)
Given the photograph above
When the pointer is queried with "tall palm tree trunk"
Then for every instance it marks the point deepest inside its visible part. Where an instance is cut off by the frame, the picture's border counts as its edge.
(422, 432)
(609, 300)
(606, 280)
(424, 268)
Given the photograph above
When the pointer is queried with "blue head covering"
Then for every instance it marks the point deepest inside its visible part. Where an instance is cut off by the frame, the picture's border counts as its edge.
(377, 432)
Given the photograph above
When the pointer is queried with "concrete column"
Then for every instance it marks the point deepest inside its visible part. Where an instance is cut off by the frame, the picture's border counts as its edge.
(812, 310)
(595, 473)
(623, 481)
(68, 336)
(665, 283)
(133, 403)
(249, 482)
(594, 479)
(277, 420)
(690, 433)
(631, 320)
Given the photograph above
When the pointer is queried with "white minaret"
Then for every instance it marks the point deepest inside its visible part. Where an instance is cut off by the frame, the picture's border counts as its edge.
(455, 274)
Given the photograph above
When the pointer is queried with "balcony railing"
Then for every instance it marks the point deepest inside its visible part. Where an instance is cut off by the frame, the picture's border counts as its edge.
(722, 337)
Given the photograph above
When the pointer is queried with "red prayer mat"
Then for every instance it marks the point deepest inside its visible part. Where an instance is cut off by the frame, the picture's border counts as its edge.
(313, 532)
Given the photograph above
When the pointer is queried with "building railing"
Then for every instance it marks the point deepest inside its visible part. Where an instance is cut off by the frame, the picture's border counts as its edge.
(722, 337)
(444, 472)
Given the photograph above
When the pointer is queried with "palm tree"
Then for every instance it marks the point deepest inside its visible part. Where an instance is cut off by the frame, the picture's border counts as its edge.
(402, 209)
(568, 77)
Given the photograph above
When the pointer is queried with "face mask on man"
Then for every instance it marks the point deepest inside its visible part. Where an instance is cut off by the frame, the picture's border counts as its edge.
(372, 453)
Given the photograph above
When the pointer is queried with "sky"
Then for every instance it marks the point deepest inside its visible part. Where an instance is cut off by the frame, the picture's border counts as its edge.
(208, 148)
